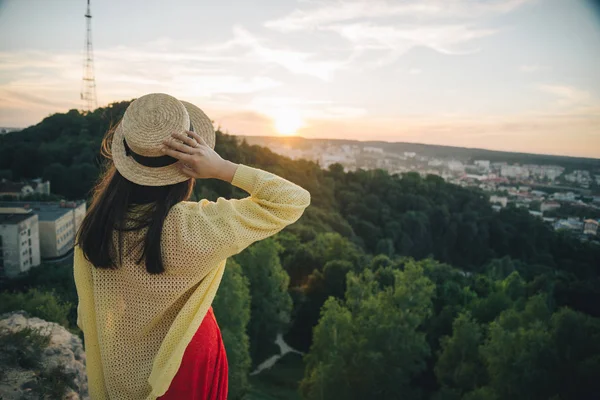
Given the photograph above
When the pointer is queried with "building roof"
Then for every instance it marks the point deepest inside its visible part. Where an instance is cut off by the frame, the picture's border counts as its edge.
(13, 219)
(46, 211)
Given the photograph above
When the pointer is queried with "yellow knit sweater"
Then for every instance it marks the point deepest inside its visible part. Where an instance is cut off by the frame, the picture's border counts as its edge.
(137, 325)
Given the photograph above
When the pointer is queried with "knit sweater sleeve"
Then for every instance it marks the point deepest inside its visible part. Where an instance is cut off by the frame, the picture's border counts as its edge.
(222, 228)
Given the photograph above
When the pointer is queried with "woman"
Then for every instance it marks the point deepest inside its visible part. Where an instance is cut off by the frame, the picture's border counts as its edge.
(148, 262)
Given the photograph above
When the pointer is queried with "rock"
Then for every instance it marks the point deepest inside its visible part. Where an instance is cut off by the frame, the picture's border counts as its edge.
(64, 351)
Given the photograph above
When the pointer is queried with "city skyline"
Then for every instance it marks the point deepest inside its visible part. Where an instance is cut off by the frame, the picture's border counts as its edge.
(516, 75)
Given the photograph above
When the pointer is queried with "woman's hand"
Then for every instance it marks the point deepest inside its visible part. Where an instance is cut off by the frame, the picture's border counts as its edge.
(196, 158)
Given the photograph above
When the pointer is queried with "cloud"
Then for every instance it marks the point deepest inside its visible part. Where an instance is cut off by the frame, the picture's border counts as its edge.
(442, 38)
(329, 12)
(294, 61)
(393, 27)
(569, 96)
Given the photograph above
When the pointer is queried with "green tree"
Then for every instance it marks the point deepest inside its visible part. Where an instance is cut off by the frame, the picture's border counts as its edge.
(271, 304)
(519, 354)
(371, 346)
(232, 311)
(459, 365)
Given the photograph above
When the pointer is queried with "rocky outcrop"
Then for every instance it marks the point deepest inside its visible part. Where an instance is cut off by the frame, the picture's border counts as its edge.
(40, 359)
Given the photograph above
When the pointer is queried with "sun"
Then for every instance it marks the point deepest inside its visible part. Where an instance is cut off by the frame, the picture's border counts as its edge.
(287, 122)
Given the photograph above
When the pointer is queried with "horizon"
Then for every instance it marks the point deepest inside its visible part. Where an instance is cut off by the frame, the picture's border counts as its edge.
(295, 136)
(416, 143)
(517, 76)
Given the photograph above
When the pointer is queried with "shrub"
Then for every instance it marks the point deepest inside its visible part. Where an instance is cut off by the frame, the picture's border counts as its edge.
(44, 305)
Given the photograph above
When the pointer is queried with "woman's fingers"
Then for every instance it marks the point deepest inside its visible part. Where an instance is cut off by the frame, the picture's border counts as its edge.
(174, 144)
(198, 138)
(185, 138)
(177, 154)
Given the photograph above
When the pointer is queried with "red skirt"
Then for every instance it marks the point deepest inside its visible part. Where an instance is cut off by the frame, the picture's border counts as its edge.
(202, 374)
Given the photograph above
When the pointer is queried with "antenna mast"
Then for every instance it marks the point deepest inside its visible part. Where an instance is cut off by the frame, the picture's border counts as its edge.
(88, 87)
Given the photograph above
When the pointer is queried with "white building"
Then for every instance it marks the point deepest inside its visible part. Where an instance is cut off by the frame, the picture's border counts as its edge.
(58, 224)
(377, 150)
(536, 213)
(572, 224)
(579, 176)
(545, 171)
(456, 166)
(499, 200)
(485, 164)
(514, 171)
(549, 205)
(20, 189)
(590, 227)
(19, 241)
(569, 196)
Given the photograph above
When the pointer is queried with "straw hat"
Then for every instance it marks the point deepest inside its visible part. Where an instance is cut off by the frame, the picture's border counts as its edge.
(138, 138)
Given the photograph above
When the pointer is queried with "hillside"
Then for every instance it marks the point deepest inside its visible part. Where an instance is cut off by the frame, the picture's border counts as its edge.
(436, 151)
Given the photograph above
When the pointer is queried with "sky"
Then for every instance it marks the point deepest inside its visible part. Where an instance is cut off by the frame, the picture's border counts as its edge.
(514, 75)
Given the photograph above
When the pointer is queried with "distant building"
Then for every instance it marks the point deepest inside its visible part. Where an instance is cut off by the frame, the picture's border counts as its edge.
(549, 205)
(410, 154)
(19, 241)
(536, 214)
(569, 196)
(20, 189)
(579, 176)
(58, 223)
(456, 166)
(483, 164)
(571, 224)
(590, 227)
(369, 149)
(514, 171)
(502, 200)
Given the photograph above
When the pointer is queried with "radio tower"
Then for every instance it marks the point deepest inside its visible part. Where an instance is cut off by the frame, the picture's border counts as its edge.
(88, 87)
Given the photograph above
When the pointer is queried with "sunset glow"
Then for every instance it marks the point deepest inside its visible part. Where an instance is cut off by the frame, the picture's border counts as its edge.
(287, 122)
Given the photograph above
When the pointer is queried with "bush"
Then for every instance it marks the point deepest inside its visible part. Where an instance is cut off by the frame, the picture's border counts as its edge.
(44, 305)
(23, 348)
(53, 383)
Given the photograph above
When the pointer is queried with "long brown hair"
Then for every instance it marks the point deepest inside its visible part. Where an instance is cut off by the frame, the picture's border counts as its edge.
(112, 199)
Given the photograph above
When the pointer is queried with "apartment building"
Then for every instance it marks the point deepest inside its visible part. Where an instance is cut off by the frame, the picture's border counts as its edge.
(19, 241)
(58, 223)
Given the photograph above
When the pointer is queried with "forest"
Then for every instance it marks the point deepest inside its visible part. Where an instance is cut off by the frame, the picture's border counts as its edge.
(391, 286)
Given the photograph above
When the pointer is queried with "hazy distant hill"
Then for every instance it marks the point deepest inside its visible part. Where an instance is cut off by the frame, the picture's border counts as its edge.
(459, 153)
